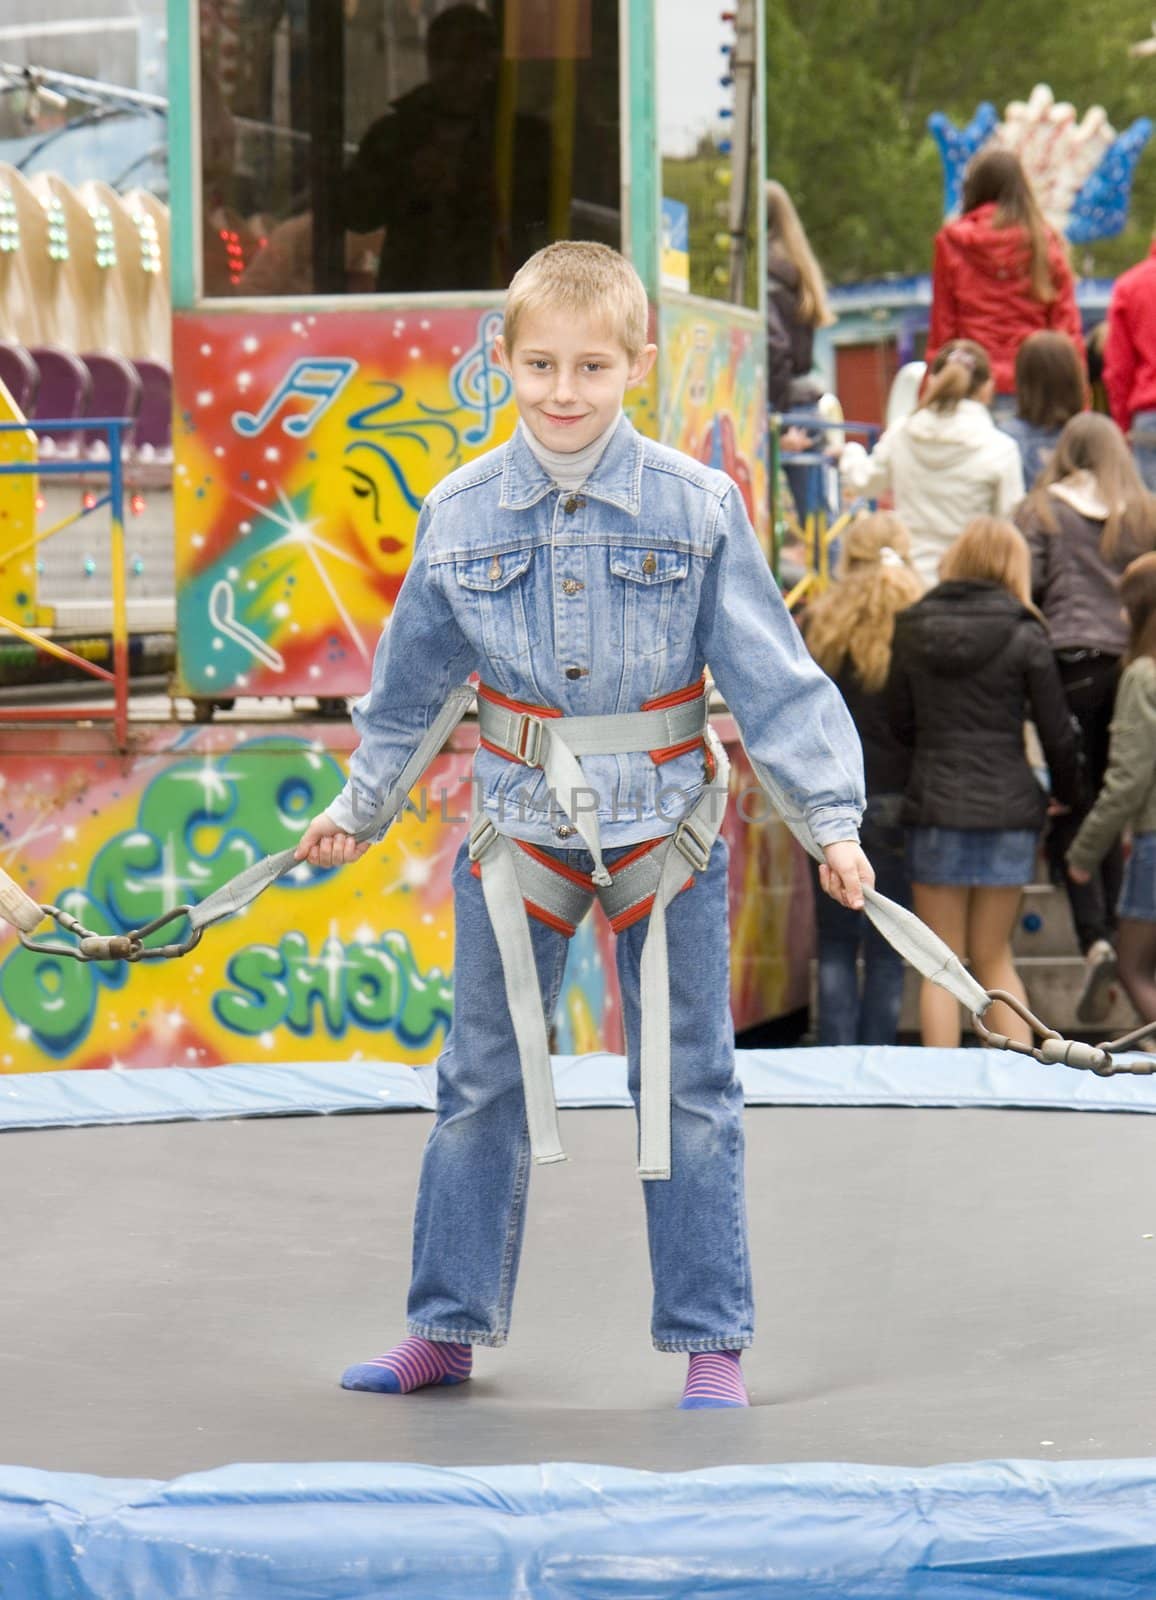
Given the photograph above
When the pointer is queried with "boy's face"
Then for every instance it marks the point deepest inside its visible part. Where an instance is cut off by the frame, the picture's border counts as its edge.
(570, 374)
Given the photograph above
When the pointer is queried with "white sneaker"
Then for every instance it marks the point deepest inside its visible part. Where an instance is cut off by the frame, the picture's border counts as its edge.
(1095, 997)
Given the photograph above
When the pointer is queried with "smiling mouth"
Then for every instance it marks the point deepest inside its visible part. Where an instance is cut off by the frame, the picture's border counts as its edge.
(550, 416)
(390, 547)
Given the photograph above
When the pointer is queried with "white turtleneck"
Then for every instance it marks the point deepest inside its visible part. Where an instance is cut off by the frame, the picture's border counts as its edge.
(569, 468)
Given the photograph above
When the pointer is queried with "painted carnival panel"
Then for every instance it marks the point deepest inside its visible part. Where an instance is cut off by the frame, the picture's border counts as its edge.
(713, 403)
(304, 447)
(346, 964)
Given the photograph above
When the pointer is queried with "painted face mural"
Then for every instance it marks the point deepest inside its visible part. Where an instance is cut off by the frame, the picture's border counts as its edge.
(305, 446)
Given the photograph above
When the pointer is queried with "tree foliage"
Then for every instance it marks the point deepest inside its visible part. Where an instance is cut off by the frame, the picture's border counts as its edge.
(850, 88)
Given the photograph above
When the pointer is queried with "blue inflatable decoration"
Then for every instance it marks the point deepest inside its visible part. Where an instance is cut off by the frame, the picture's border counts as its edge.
(1100, 210)
(958, 145)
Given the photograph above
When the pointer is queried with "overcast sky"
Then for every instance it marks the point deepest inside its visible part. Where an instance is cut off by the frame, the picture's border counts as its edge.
(690, 63)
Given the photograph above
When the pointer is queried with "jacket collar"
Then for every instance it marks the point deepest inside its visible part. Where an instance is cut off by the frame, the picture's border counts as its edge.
(617, 479)
(1081, 491)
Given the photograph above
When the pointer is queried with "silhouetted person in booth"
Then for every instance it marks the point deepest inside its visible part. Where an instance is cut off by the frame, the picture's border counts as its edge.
(427, 171)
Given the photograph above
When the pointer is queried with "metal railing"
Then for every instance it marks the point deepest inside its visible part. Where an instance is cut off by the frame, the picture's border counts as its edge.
(114, 430)
(820, 524)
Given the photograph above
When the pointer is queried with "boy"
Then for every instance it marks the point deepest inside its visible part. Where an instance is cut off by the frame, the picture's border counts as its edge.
(589, 575)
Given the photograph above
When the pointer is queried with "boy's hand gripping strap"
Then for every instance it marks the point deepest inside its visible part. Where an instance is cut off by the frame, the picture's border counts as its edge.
(242, 890)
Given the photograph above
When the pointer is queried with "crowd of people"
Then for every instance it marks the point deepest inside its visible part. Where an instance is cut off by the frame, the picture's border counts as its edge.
(994, 633)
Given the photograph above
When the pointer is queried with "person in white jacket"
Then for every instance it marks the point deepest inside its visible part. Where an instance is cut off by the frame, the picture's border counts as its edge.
(944, 464)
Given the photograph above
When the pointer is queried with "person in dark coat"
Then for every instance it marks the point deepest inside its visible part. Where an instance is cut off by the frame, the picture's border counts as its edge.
(796, 306)
(970, 661)
(849, 631)
(1089, 516)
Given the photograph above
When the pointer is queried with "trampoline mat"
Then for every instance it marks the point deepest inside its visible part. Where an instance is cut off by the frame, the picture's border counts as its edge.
(932, 1286)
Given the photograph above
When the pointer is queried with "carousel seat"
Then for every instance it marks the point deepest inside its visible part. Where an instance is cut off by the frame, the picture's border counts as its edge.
(19, 374)
(153, 435)
(65, 385)
(115, 392)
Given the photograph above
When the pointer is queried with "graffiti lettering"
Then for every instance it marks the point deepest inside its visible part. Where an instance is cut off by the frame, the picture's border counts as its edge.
(371, 985)
(199, 823)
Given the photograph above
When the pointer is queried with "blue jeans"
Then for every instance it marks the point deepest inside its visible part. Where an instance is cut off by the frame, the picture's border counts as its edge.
(1144, 450)
(847, 1016)
(475, 1174)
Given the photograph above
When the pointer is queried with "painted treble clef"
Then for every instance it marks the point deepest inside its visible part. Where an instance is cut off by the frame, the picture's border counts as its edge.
(478, 382)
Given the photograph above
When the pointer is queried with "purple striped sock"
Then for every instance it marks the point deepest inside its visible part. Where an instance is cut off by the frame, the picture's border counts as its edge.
(413, 1364)
(714, 1381)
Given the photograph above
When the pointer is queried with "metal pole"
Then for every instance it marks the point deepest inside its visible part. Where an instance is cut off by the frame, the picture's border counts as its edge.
(119, 596)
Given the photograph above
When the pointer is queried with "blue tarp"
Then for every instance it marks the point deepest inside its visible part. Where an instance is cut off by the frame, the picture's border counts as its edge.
(820, 1077)
(1032, 1530)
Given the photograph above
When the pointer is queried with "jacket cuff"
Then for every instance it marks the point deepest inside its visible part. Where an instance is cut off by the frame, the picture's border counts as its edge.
(349, 812)
(834, 825)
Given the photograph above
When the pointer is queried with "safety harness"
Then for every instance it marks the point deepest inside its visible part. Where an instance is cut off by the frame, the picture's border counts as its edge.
(520, 881)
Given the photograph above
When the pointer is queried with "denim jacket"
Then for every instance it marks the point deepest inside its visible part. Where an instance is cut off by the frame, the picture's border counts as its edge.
(594, 602)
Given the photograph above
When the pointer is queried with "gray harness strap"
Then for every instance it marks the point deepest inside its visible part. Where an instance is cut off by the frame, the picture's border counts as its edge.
(656, 876)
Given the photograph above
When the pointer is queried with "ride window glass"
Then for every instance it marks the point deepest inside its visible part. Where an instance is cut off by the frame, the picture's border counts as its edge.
(405, 146)
(708, 122)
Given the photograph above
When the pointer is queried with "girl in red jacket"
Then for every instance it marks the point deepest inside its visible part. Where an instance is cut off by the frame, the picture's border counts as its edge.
(1000, 272)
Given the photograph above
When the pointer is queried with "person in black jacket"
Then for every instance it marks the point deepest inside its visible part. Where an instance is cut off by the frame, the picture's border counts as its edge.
(849, 632)
(970, 661)
(1089, 516)
(796, 306)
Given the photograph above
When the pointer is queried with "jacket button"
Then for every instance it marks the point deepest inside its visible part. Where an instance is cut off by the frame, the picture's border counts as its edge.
(573, 504)
(572, 586)
(650, 565)
(575, 672)
(565, 831)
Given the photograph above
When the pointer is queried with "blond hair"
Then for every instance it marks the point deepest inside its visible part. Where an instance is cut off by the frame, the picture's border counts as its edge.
(855, 619)
(584, 279)
(786, 231)
(991, 550)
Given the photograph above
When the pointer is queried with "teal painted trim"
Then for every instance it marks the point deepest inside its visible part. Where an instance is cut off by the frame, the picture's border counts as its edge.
(643, 195)
(182, 166)
(761, 168)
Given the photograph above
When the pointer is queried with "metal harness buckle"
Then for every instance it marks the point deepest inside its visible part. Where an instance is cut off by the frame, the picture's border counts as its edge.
(692, 846)
(481, 839)
(528, 740)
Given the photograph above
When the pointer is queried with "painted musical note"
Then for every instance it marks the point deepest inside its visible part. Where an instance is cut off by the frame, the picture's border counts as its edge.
(223, 616)
(478, 382)
(319, 381)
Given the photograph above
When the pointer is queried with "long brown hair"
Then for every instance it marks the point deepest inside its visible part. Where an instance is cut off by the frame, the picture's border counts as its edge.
(996, 176)
(992, 551)
(958, 372)
(785, 230)
(855, 619)
(1051, 383)
(1093, 443)
(1138, 593)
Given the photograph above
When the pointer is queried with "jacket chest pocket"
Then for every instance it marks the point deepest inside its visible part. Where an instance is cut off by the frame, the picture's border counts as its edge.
(653, 588)
(493, 592)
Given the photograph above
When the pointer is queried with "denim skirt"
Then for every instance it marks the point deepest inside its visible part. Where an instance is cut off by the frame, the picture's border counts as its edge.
(972, 858)
(1138, 894)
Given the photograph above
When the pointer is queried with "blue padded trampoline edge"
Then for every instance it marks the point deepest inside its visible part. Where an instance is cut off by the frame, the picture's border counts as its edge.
(809, 1532)
(847, 1076)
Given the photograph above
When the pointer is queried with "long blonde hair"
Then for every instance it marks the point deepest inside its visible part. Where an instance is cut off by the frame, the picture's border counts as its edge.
(1093, 443)
(992, 551)
(785, 230)
(855, 619)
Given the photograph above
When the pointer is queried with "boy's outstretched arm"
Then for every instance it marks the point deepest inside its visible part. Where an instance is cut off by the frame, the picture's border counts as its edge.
(421, 656)
(796, 728)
